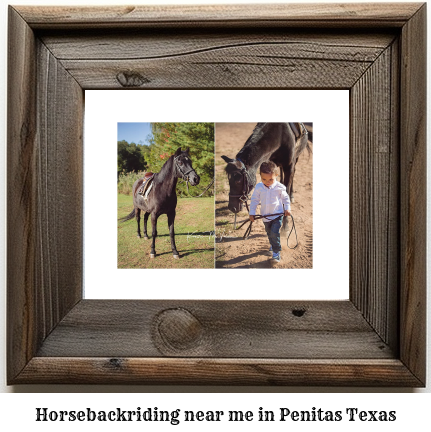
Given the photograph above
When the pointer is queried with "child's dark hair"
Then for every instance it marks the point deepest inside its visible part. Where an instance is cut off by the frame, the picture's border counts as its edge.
(269, 167)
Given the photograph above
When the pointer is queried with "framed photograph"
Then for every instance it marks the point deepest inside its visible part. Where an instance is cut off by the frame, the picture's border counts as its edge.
(375, 337)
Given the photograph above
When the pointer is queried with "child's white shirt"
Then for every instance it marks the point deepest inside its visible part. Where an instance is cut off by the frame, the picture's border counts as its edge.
(270, 198)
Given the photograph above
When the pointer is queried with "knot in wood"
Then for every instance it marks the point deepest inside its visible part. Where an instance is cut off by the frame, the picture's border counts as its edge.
(115, 363)
(178, 329)
(298, 312)
(131, 79)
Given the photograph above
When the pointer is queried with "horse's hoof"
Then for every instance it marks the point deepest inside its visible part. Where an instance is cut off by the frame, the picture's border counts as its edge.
(176, 256)
(146, 238)
(152, 255)
(138, 237)
(292, 200)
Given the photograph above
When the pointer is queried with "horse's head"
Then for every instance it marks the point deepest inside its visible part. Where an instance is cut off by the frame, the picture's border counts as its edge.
(240, 183)
(184, 168)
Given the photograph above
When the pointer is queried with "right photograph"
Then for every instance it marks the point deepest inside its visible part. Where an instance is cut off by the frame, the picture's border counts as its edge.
(264, 195)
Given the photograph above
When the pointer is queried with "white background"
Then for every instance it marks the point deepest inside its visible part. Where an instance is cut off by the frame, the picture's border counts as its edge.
(329, 277)
(17, 410)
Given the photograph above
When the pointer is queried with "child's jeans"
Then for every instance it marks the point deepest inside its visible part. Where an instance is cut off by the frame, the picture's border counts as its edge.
(273, 231)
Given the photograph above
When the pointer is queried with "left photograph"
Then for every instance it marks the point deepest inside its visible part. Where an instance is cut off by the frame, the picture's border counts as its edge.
(165, 182)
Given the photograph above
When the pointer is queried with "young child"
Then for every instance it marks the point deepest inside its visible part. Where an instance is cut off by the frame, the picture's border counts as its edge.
(271, 194)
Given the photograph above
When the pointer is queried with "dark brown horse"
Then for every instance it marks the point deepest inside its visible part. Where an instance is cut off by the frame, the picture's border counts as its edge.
(163, 197)
(281, 143)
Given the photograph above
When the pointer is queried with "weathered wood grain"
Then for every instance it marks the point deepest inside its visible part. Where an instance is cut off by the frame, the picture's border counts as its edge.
(253, 59)
(393, 225)
(374, 194)
(413, 199)
(227, 329)
(56, 53)
(45, 107)
(298, 15)
(199, 71)
(334, 372)
(59, 187)
(140, 44)
(244, 67)
(21, 196)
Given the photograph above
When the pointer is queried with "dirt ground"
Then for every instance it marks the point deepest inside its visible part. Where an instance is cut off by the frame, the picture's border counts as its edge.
(234, 252)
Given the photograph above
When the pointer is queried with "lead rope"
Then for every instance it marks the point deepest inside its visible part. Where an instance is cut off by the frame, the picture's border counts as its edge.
(197, 196)
(244, 201)
(248, 230)
(296, 235)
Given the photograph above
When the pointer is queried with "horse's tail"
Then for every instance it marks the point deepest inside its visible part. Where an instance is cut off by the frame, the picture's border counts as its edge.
(309, 128)
(309, 147)
(303, 143)
(131, 215)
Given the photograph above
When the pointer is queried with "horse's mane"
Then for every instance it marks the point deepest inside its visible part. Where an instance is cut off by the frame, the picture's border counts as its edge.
(166, 167)
(249, 149)
(256, 135)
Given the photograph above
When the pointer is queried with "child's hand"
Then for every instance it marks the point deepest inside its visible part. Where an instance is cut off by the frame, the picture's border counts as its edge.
(287, 213)
(251, 217)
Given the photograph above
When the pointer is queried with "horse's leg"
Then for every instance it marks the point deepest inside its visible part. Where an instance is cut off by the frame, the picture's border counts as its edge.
(288, 179)
(145, 225)
(154, 226)
(171, 218)
(138, 220)
(288, 171)
(292, 198)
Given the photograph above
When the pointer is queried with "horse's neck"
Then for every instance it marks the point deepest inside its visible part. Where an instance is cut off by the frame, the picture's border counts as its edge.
(167, 177)
(254, 153)
(253, 160)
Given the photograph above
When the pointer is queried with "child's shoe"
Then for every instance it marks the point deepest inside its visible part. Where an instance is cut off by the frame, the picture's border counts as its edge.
(276, 256)
(269, 253)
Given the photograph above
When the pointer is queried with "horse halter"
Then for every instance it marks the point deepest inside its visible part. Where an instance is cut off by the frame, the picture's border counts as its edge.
(247, 184)
(184, 175)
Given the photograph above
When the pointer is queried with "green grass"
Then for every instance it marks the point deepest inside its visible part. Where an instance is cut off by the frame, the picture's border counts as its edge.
(194, 237)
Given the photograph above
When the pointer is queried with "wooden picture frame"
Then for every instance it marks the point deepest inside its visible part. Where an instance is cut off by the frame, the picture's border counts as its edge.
(376, 338)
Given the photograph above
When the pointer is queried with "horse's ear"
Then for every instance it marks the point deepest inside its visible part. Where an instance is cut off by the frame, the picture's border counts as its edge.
(227, 160)
(178, 152)
(187, 150)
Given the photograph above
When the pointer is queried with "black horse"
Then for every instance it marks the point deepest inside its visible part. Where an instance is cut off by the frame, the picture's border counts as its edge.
(162, 198)
(281, 143)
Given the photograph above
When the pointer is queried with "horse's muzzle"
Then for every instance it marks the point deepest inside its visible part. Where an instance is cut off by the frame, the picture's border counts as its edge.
(194, 179)
(235, 205)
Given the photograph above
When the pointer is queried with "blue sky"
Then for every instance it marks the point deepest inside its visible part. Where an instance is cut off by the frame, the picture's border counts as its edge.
(134, 132)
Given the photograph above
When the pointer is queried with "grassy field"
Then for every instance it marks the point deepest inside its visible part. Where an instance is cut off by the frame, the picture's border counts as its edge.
(194, 237)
